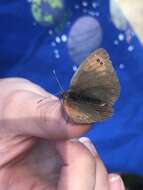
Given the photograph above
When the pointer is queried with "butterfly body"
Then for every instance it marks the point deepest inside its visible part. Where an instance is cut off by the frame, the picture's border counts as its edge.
(78, 97)
(93, 90)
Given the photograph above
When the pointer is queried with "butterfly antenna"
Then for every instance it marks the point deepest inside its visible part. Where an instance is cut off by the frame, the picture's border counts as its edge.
(61, 88)
(54, 72)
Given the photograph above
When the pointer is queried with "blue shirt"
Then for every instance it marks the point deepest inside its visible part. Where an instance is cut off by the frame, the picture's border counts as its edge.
(37, 37)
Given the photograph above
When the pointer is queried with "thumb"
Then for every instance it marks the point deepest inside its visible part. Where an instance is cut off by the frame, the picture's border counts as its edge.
(28, 113)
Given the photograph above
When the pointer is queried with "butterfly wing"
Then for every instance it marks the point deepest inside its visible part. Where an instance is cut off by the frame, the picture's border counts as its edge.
(85, 113)
(96, 78)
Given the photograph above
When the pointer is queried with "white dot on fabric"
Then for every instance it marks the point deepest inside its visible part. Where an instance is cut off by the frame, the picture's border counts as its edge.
(56, 51)
(50, 32)
(97, 14)
(92, 13)
(121, 37)
(58, 40)
(57, 56)
(130, 48)
(84, 3)
(74, 68)
(121, 66)
(76, 6)
(64, 38)
(116, 42)
(94, 4)
(53, 44)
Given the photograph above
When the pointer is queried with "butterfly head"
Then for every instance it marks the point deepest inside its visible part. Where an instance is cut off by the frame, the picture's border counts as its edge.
(64, 95)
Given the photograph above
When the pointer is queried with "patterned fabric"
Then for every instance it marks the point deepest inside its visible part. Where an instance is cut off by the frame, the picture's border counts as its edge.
(39, 36)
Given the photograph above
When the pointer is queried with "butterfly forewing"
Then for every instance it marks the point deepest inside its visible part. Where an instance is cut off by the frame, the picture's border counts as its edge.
(93, 89)
(96, 79)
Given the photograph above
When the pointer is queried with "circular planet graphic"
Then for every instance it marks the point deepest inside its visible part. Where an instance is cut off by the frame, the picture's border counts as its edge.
(84, 37)
(47, 12)
(117, 16)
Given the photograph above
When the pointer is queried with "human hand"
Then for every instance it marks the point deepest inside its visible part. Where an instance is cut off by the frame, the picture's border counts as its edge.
(35, 153)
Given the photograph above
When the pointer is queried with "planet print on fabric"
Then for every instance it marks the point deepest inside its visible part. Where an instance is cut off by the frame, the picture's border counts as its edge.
(117, 16)
(47, 12)
(84, 37)
(120, 21)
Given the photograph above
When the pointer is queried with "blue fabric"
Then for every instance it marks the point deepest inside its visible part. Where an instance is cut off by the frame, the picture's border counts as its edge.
(26, 51)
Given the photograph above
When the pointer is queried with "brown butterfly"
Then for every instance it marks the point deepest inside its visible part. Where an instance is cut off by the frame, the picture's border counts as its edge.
(93, 90)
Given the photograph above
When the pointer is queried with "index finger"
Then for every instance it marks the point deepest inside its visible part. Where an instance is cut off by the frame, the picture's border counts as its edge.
(24, 115)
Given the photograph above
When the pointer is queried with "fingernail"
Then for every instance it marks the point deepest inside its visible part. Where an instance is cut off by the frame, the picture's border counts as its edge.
(87, 142)
(114, 178)
(84, 139)
(116, 182)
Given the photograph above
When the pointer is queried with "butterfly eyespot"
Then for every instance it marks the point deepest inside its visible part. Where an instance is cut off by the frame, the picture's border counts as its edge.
(98, 60)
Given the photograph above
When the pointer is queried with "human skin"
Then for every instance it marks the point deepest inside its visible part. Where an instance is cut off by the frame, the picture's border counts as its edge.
(39, 148)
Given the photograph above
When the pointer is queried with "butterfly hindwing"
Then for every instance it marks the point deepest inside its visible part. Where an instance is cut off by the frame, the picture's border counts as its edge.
(86, 113)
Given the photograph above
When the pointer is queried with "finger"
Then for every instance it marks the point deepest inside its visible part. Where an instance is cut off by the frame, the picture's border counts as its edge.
(17, 83)
(116, 182)
(78, 172)
(102, 181)
(24, 113)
